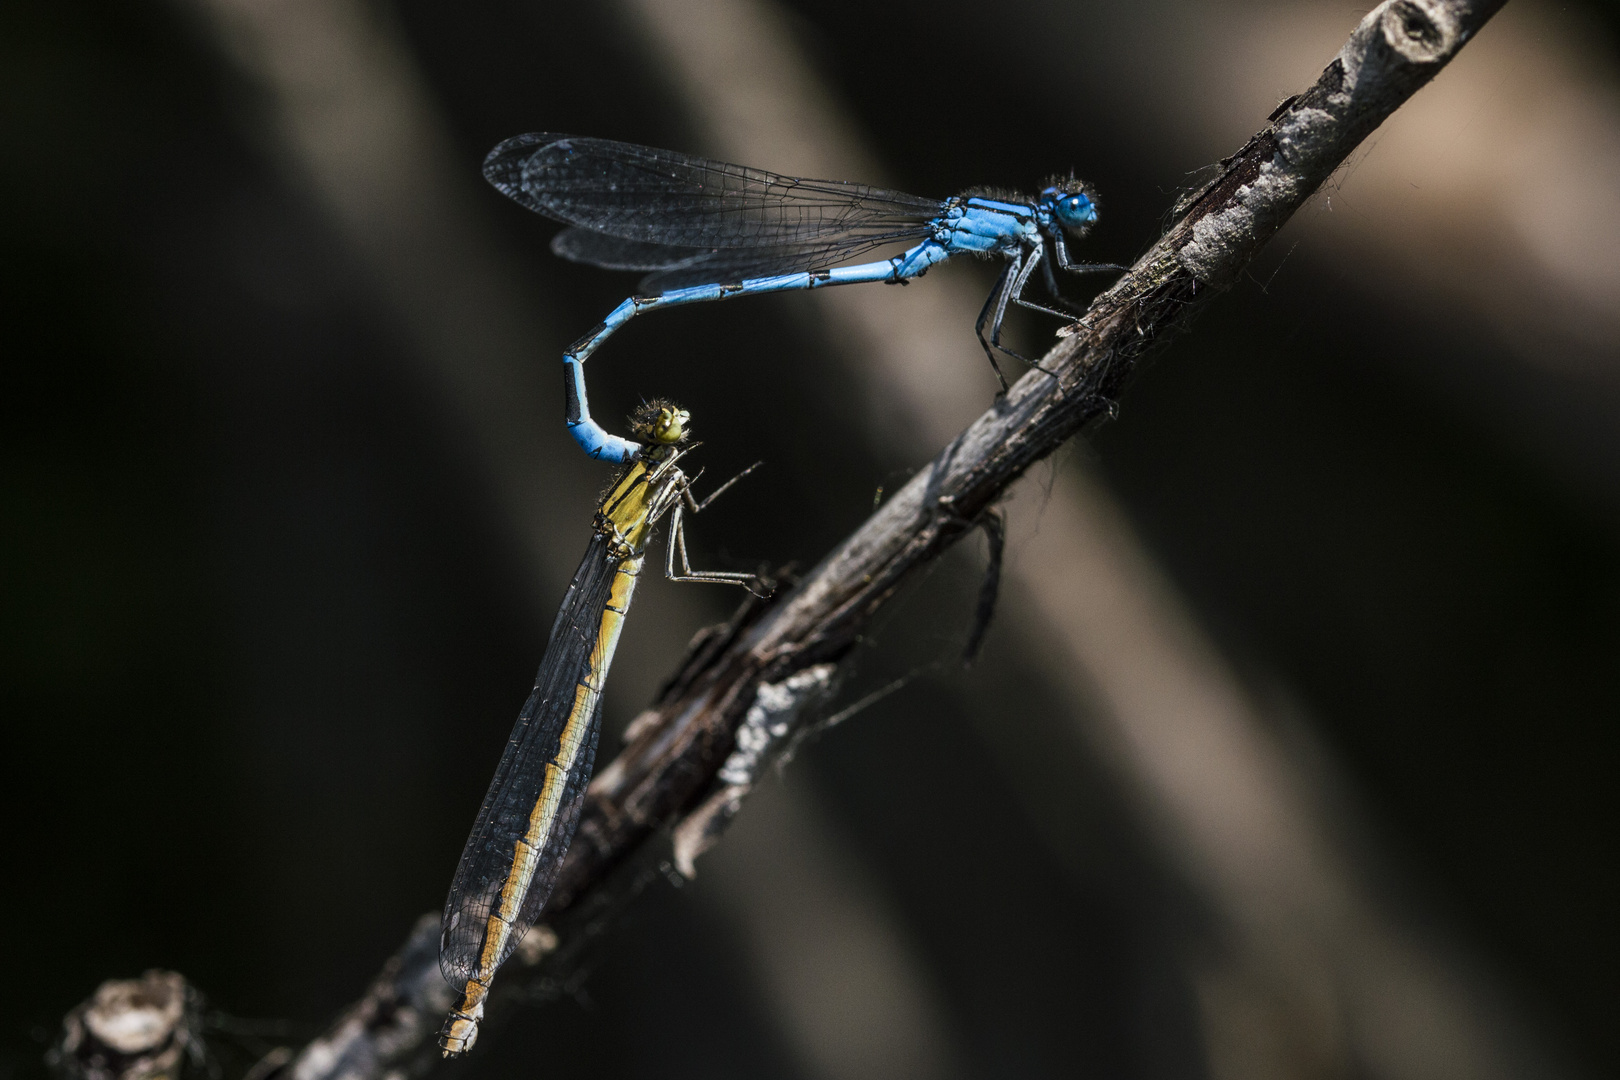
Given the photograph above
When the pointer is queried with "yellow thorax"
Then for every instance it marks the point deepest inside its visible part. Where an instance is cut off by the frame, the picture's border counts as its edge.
(627, 514)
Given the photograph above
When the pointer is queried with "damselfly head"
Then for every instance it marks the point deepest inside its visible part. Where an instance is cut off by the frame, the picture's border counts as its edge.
(1072, 205)
(662, 422)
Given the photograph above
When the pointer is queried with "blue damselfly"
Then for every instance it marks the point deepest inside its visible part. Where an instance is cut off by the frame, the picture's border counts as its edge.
(705, 230)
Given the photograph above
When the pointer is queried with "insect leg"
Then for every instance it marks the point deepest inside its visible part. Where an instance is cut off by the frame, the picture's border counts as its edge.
(696, 507)
(1063, 260)
(990, 302)
(1011, 293)
(677, 543)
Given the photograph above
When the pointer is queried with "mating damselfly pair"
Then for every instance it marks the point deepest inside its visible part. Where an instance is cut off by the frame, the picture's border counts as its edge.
(700, 231)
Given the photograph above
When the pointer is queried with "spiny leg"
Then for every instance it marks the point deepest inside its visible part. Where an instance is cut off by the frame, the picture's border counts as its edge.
(697, 507)
(1011, 293)
(1070, 310)
(1057, 293)
(677, 538)
(677, 543)
(1031, 305)
(996, 292)
(1061, 250)
(1051, 278)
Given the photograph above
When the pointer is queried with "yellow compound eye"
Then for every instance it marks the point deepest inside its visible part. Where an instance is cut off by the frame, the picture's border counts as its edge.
(670, 426)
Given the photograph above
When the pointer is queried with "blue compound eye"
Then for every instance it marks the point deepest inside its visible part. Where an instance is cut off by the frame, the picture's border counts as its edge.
(1075, 211)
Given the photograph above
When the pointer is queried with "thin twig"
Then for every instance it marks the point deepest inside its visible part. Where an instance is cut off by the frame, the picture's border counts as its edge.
(669, 768)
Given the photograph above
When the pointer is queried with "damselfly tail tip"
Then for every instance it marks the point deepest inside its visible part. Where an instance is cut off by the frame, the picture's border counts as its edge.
(460, 1029)
(450, 1046)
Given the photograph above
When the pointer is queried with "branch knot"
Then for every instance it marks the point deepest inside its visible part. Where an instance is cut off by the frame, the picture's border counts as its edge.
(1414, 33)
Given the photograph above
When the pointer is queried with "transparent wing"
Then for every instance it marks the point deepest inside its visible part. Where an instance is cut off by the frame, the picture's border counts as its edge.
(534, 745)
(616, 253)
(667, 198)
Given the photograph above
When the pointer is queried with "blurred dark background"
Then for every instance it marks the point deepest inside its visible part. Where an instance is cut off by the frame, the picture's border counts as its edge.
(271, 590)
